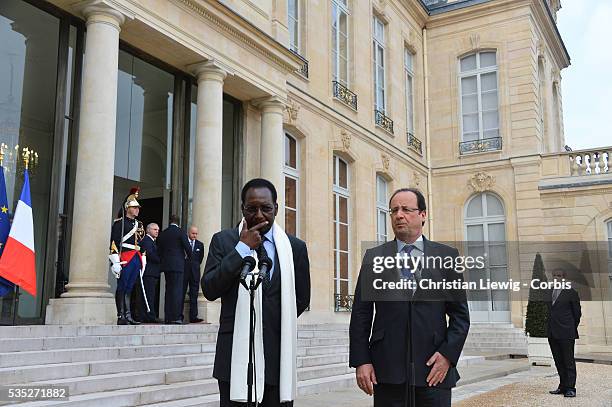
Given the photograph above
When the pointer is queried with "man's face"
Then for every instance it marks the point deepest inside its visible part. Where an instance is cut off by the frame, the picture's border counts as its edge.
(154, 231)
(259, 207)
(558, 275)
(406, 219)
(193, 233)
(133, 211)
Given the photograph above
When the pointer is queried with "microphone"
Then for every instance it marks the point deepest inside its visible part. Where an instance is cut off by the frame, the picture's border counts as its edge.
(265, 264)
(248, 264)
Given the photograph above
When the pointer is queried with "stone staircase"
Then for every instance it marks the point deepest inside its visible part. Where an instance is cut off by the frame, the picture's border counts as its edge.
(152, 365)
(495, 338)
(155, 365)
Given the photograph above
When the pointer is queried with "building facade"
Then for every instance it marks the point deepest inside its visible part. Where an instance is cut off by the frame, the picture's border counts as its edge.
(338, 102)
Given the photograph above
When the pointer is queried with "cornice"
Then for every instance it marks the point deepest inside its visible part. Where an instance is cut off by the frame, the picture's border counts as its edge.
(227, 21)
(546, 21)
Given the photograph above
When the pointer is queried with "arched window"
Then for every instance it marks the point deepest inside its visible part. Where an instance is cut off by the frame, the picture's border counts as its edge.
(479, 101)
(341, 224)
(485, 228)
(291, 172)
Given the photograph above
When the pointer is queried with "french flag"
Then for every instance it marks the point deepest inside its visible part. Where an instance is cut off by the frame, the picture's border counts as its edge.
(18, 260)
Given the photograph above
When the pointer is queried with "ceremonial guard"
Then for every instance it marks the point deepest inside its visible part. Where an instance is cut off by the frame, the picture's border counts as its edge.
(127, 260)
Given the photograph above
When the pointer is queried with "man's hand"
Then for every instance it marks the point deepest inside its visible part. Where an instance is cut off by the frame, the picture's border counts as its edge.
(440, 367)
(366, 378)
(251, 237)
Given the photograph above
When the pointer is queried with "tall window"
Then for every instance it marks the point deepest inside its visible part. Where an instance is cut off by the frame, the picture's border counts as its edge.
(341, 227)
(292, 180)
(479, 103)
(293, 21)
(381, 209)
(609, 226)
(409, 75)
(486, 236)
(379, 64)
(340, 41)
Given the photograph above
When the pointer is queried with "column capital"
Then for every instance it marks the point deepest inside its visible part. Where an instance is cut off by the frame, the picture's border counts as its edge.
(103, 11)
(210, 70)
(270, 104)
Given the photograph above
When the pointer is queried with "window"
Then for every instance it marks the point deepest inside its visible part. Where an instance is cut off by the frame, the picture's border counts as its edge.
(292, 182)
(340, 41)
(381, 209)
(293, 21)
(341, 194)
(485, 228)
(409, 75)
(379, 64)
(479, 103)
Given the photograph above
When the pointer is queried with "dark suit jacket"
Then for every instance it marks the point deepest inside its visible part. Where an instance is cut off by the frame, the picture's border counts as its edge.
(221, 280)
(197, 256)
(387, 348)
(564, 315)
(150, 248)
(173, 246)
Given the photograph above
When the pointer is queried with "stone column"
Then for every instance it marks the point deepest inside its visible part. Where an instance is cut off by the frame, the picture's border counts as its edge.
(208, 165)
(88, 300)
(273, 149)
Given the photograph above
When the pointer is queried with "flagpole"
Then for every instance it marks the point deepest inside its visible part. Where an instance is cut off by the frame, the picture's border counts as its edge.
(15, 303)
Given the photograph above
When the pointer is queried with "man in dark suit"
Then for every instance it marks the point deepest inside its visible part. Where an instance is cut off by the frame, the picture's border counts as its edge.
(564, 314)
(191, 279)
(386, 366)
(173, 247)
(150, 278)
(221, 280)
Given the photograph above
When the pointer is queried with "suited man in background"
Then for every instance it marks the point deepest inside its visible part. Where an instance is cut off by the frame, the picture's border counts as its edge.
(564, 314)
(191, 276)
(222, 280)
(382, 359)
(151, 274)
(174, 248)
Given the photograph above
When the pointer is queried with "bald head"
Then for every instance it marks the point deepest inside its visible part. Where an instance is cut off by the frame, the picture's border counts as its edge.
(193, 232)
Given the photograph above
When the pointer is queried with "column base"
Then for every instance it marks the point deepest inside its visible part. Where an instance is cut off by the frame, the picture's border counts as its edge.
(209, 311)
(81, 311)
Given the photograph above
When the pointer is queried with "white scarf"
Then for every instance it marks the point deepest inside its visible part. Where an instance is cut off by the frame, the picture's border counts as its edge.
(288, 335)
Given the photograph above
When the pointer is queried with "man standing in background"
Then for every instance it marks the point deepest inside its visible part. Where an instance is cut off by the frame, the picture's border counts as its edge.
(150, 278)
(191, 278)
(173, 248)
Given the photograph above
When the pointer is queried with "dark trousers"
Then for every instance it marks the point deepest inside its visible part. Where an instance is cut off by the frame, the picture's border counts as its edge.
(271, 397)
(394, 395)
(191, 280)
(173, 300)
(150, 286)
(563, 354)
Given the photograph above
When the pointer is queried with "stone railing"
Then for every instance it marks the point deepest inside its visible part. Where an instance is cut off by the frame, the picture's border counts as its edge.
(590, 162)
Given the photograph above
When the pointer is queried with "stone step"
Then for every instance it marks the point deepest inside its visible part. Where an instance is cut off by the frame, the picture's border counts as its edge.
(136, 396)
(320, 360)
(59, 342)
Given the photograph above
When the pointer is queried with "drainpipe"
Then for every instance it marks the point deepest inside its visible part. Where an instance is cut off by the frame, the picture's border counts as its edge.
(427, 136)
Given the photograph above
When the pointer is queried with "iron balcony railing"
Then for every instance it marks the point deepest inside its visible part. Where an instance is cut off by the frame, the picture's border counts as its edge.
(481, 145)
(343, 302)
(345, 95)
(383, 121)
(415, 143)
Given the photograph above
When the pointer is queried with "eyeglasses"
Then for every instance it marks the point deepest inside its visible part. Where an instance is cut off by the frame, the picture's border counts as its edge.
(405, 209)
(252, 210)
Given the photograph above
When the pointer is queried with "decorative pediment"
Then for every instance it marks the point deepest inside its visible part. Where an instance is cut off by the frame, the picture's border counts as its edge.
(291, 112)
(345, 137)
(386, 161)
(481, 181)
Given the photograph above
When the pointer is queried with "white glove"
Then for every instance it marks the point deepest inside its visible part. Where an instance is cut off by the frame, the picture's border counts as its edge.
(115, 264)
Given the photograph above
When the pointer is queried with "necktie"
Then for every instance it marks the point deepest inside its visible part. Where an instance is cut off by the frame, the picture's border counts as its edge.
(192, 245)
(408, 272)
(555, 295)
(261, 253)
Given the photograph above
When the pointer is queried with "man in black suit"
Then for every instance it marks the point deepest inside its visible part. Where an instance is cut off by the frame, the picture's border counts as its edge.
(173, 247)
(191, 279)
(150, 278)
(221, 280)
(383, 360)
(564, 314)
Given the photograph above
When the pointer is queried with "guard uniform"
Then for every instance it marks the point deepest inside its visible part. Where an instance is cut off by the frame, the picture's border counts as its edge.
(128, 261)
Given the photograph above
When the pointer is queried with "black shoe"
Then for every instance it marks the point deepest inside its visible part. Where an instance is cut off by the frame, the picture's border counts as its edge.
(557, 391)
(570, 393)
(130, 320)
(121, 320)
(196, 320)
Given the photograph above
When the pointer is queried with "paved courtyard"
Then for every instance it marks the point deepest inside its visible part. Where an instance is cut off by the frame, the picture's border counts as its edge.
(523, 389)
